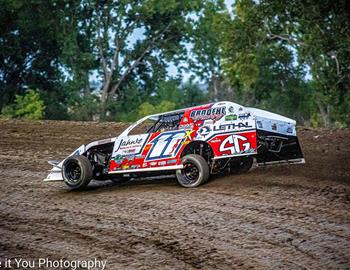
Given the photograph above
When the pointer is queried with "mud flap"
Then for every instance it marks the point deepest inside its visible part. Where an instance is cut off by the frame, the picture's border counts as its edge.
(275, 148)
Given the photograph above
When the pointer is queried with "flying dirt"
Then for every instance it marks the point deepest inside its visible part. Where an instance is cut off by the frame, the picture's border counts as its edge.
(286, 217)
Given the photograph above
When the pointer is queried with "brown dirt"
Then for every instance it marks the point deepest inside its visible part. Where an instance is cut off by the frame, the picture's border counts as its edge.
(288, 217)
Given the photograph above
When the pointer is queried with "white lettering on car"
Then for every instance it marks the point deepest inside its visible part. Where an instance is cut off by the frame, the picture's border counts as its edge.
(232, 144)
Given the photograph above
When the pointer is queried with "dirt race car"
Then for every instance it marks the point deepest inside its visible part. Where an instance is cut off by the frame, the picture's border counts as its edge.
(194, 143)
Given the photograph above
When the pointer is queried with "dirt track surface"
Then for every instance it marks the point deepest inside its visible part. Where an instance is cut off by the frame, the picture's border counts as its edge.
(288, 217)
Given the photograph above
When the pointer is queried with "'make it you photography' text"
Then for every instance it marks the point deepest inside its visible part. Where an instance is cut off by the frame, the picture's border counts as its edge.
(18, 263)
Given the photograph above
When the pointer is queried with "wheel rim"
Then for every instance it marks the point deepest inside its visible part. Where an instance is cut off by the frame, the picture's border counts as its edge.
(190, 173)
(73, 172)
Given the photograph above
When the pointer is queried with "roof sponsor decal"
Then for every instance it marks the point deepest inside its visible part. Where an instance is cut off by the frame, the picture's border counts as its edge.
(210, 113)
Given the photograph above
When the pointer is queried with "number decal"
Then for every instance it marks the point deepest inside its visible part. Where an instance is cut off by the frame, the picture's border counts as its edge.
(232, 144)
(166, 145)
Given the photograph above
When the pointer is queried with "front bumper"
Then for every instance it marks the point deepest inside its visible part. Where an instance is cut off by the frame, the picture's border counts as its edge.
(55, 174)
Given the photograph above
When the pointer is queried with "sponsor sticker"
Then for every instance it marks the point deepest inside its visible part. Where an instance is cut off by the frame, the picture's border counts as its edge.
(231, 126)
(171, 161)
(211, 113)
(204, 130)
(166, 145)
(231, 117)
(235, 144)
(187, 126)
(126, 143)
(131, 145)
(118, 159)
(244, 116)
(130, 157)
(130, 150)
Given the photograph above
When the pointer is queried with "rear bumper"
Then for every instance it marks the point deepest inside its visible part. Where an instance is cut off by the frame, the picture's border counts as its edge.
(283, 162)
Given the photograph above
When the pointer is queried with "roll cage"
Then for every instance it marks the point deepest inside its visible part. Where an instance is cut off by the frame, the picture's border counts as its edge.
(154, 123)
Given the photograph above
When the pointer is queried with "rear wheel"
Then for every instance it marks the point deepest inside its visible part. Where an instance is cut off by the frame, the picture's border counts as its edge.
(195, 171)
(77, 172)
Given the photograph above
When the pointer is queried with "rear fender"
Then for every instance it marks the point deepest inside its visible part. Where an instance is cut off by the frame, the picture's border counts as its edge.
(276, 148)
(277, 139)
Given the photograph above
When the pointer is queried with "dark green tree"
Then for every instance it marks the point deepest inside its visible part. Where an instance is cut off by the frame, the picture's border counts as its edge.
(134, 40)
(29, 50)
(291, 57)
(206, 57)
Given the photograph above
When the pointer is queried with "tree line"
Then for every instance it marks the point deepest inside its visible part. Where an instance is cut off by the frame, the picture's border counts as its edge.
(110, 60)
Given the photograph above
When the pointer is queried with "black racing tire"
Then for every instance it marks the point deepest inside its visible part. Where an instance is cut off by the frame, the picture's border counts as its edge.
(77, 172)
(194, 173)
(242, 165)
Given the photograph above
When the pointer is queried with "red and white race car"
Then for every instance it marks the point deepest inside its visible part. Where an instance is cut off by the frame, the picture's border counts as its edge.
(193, 143)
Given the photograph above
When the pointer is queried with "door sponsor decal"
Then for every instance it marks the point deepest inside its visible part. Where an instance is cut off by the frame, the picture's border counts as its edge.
(166, 145)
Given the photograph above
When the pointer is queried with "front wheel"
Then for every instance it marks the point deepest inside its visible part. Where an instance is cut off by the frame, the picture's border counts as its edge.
(77, 172)
(195, 171)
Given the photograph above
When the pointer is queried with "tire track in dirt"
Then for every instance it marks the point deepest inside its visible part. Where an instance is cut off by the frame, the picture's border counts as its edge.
(209, 211)
(292, 217)
(124, 237)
